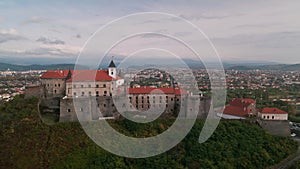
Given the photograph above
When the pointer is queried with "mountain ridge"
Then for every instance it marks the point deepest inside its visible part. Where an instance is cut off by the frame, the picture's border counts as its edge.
(191, 64)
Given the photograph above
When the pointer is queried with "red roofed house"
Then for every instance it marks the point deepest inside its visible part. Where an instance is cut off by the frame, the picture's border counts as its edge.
(273, 114)
(240, 109)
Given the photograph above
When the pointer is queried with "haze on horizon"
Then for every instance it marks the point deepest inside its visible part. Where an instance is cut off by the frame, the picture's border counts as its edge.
(55, 31)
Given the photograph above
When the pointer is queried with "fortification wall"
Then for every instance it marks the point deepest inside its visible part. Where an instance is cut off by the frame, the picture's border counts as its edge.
(92, 108)
(88, 108)
(33, 91)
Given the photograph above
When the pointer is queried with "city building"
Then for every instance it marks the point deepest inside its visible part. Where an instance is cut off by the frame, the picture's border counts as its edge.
(240, 109)
(273, 114)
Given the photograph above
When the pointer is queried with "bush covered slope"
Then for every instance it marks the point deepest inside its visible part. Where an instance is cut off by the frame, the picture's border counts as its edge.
(26, 142)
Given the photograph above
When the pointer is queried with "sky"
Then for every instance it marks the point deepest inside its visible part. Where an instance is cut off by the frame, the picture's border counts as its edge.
(241, 31)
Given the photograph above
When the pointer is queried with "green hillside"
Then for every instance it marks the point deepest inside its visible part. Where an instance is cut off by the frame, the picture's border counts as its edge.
(26, 142)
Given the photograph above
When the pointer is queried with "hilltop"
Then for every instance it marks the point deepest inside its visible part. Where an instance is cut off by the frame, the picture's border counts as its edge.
(26, 142)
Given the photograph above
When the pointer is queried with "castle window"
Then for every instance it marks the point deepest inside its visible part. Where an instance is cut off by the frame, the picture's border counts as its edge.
(264, 117)
(171, 99)
(104, 85)
(142, 106)
(90, 85)
(97, 86)
(82, 93)
(48, 85)
(112, 73)
(90, 93)
(81, 86)
(272, 117)
(105, 92)
(58, 85)
(69, 110)
(97, 93)
(74, 93)
(104, 105)
(55, 85)
(268, 117)
(54, 91)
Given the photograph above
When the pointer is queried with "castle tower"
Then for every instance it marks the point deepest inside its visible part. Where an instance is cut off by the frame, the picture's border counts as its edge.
(112, 70)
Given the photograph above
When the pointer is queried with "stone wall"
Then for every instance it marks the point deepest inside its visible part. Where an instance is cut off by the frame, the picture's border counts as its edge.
(276, 127)
(92, 108)
(33, 91)
(53, 87)
(89, 108)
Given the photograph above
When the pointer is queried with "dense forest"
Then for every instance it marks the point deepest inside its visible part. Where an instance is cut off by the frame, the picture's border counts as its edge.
(26, 142)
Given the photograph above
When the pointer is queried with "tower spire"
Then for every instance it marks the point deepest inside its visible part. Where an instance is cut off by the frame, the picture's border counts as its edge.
(112, 70)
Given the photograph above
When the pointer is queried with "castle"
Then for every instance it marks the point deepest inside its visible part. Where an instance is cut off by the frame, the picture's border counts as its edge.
(94, 89)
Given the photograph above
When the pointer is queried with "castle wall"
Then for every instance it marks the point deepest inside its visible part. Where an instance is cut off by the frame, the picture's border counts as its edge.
(84, 89)
(33, 91)
(88, 108)
(53, 87)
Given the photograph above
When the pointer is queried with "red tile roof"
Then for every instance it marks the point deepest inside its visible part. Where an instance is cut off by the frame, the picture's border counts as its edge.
(269, 110)
(238, 107)
(149, 90)
(90, 75)
(78, 75)
(55, 74)
(240, 102)
(235, 111)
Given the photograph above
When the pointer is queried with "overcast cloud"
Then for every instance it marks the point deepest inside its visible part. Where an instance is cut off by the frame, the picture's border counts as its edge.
(240, 30)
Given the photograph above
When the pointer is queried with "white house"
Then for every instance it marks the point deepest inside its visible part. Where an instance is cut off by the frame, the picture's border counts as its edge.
(273, 114)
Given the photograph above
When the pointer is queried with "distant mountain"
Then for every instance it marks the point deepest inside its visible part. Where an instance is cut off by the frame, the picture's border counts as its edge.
(281, 67)
(6, 66)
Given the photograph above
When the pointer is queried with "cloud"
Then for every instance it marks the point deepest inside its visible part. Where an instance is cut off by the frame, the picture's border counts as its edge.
(9, 35)
(283, 39)
(46, 52)
(45, 40)
(35, 20)
(199, 16)
(78, 36)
